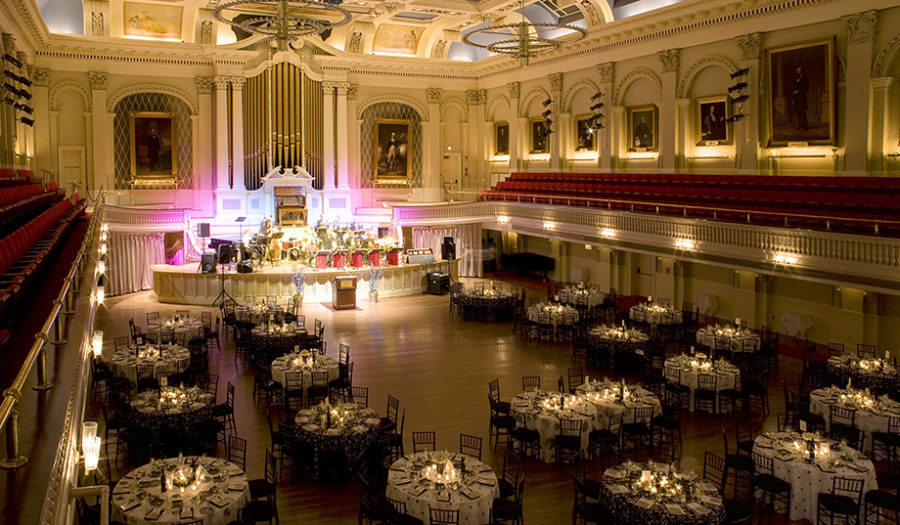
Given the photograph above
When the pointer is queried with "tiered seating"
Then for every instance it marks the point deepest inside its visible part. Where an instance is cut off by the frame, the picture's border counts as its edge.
(19, 204)
(26, 251)
(851, 204)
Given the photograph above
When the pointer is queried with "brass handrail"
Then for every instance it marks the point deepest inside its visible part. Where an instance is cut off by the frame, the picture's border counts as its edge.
(37, 355)
(567, 199)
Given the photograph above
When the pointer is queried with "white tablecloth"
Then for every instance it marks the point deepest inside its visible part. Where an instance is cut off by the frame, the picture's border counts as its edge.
(728, 375)
(172, 400)
(867, 420)
(227, 486)
(590, 296)
(707, 337)
(258, 313)
(604, 396)
(655, 314)
(189, 328)
(124, 362)
(473, 499)
(808, 479)
(546, 420)
(557, 313)
(285, 364)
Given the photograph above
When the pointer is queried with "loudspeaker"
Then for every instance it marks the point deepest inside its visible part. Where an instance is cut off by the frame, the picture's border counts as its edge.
(225, 253)
(245, 267)
(203, 229)
(448, 249)
(208, 263)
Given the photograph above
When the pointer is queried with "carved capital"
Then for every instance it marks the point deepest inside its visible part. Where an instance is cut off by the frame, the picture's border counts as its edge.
(41, 76)
(751, 46)
(514, 89)
(607, 72)
(668, 59)
(860, 27)
(237, 83)
(351, 91)
(328, 86)
(221, 82)
(206, 28)
(204, 85)
(97, 23)
(433, 95)
(99, 80)
(556, 82)
(342, 88)
(476, 96)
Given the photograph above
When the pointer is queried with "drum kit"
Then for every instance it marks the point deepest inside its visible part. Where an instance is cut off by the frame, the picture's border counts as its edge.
(271, 248)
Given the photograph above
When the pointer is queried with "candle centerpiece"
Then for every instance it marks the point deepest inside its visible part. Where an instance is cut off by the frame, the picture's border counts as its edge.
(442, 471)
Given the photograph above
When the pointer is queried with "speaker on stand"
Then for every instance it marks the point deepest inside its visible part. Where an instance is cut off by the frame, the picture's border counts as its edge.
(203, 230)
(208, 263)
(448, 249)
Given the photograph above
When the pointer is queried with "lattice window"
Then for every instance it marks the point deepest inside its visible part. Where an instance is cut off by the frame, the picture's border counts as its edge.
(182, 133)
(389, 110)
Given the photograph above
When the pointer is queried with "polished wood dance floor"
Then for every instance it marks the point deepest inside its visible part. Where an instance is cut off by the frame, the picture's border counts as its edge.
(439, 368)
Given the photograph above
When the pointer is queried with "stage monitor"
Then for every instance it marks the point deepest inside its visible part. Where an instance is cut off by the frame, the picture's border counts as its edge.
(245, 267)
(225, 253)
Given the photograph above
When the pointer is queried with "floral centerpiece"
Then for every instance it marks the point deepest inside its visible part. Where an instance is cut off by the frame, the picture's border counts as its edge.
(185, 476)
(440, 470)
(298, 278)
(337, 416)
(149, 353)
(375, 274)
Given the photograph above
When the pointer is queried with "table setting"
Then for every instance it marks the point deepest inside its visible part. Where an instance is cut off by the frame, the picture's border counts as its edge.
(559, 314)
(164, 420)
(279, 338)
(181, 489)
(872, 412)
(259, 313)
(581, 295)
(740, 340)
(691, 366)
(346, 428)
(167, 359)
(304, 361)
(611, 398)
(660, 493)
(488, 303)
(810, 462)
(542, 411)
(183, 328)
(615, 339)
(444, 480)
(653, 313)
(879, 375)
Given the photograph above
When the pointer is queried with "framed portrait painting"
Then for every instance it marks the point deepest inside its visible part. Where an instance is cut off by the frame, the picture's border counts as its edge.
(642, 123)
(801, 94)
(539, 138)
(391, 150)
(152, 20)
(152, 145)
(712, 129)
(501, 138)
(584, 135)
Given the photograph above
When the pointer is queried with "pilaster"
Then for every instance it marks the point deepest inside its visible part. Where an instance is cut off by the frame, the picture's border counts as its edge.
(101, 133)
(43, 154)
(669, 60)
(880, 120)
(746, 132)
(431, 153)
(607, 73)
(237, 132)
(221, 124)
(516, 128)
(558, 127)
(204, 174)
(329, 166)
(341, 142)
(860, 32)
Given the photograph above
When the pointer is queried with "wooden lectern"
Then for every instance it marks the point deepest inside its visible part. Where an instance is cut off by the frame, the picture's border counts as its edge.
(344, 292)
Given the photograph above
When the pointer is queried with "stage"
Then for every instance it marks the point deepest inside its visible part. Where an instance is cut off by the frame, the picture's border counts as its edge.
(185, 285)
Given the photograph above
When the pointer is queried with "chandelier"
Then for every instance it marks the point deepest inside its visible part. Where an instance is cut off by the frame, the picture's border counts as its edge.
(522, 40)
(283, 20)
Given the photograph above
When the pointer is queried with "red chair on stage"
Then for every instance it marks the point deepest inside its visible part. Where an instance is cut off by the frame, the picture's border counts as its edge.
(393, 256)
(322, 259)
(357, 258)
(338, 258)
(375, 258)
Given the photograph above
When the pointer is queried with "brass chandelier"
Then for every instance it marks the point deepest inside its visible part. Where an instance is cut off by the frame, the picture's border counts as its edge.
(283, 20)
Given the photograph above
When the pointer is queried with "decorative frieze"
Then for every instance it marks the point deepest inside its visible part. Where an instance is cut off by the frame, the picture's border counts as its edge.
(97, 23)
(206, 28)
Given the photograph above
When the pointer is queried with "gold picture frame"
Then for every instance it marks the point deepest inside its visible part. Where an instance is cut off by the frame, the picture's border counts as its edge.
(712, 128)
(585, 138)
(538, 138)
(642, 128)
(153, 146)
(391, 150)
(501, 138)
(801, 94)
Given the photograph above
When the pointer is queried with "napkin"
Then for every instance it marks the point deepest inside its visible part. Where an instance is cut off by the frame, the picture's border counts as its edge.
(698, 508)
(617, 489)
(239, 487)
(187, 512)
(644, 503)
(130, 505)
(675, 509)
(154, 513)
(469, 493)
(219, 501)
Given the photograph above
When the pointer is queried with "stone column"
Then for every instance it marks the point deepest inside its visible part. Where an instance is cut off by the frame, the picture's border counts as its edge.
(478, 149)
(683, 125)
(860, 31)
(666, 133)
(8, 116)
(353, 127)
(516, 129)
(556, 138)
(341, 140)
(40, 102)
(204, 175)
(328, 164)
(746, 132)
(101, 174)
(431, 146)
(618, 130)
(605, 136)
(237, 132)
(880, 115)
(221, 124)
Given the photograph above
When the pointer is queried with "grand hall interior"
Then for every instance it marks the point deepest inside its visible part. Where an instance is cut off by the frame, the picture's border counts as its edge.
(468, 262)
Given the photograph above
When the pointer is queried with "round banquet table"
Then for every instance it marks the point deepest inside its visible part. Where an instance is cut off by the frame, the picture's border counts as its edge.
(472, 496)
(221, 493)
(808, 479)
(729, 376)
(167, 361)
(189, 328)
(615, 340)
(490, 304)
(590, 297)
(258, 313)
(655, 314)
(168, 418)
(630, 501)
(293, 363)
(279, 339)
(877, 375)
(707, 337)
(604, 395)
(351, 430)
(558, 313)
(869, 419)
(541, 412)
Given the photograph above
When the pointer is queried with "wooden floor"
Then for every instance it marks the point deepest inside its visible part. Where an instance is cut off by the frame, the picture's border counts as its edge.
(439, 368)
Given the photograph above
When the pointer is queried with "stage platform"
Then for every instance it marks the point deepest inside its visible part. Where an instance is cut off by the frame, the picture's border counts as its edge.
(185, 285)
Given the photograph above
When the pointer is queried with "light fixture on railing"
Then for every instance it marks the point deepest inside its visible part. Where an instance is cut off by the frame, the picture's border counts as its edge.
(100, 296)
(549, 225)
(607, 233)
(104, 227)
(90, 445)
(101, 266)
(685, 244)
(104, 235)
(503, 219)
(97, 343)
(103, 248)
(784, 258)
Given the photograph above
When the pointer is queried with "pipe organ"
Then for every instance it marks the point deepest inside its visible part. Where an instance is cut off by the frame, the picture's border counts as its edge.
(282, 123)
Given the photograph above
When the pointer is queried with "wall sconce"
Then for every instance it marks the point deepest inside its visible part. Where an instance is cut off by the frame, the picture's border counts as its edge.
(97, 343)
(784, 258)
(685, 244)
(607, 233)
(90, 445)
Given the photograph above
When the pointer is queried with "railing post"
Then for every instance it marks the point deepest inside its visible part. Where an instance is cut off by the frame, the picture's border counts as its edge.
(59, 326)
(42, 383)
(13, 459)
(76, 279)
(69, 303)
